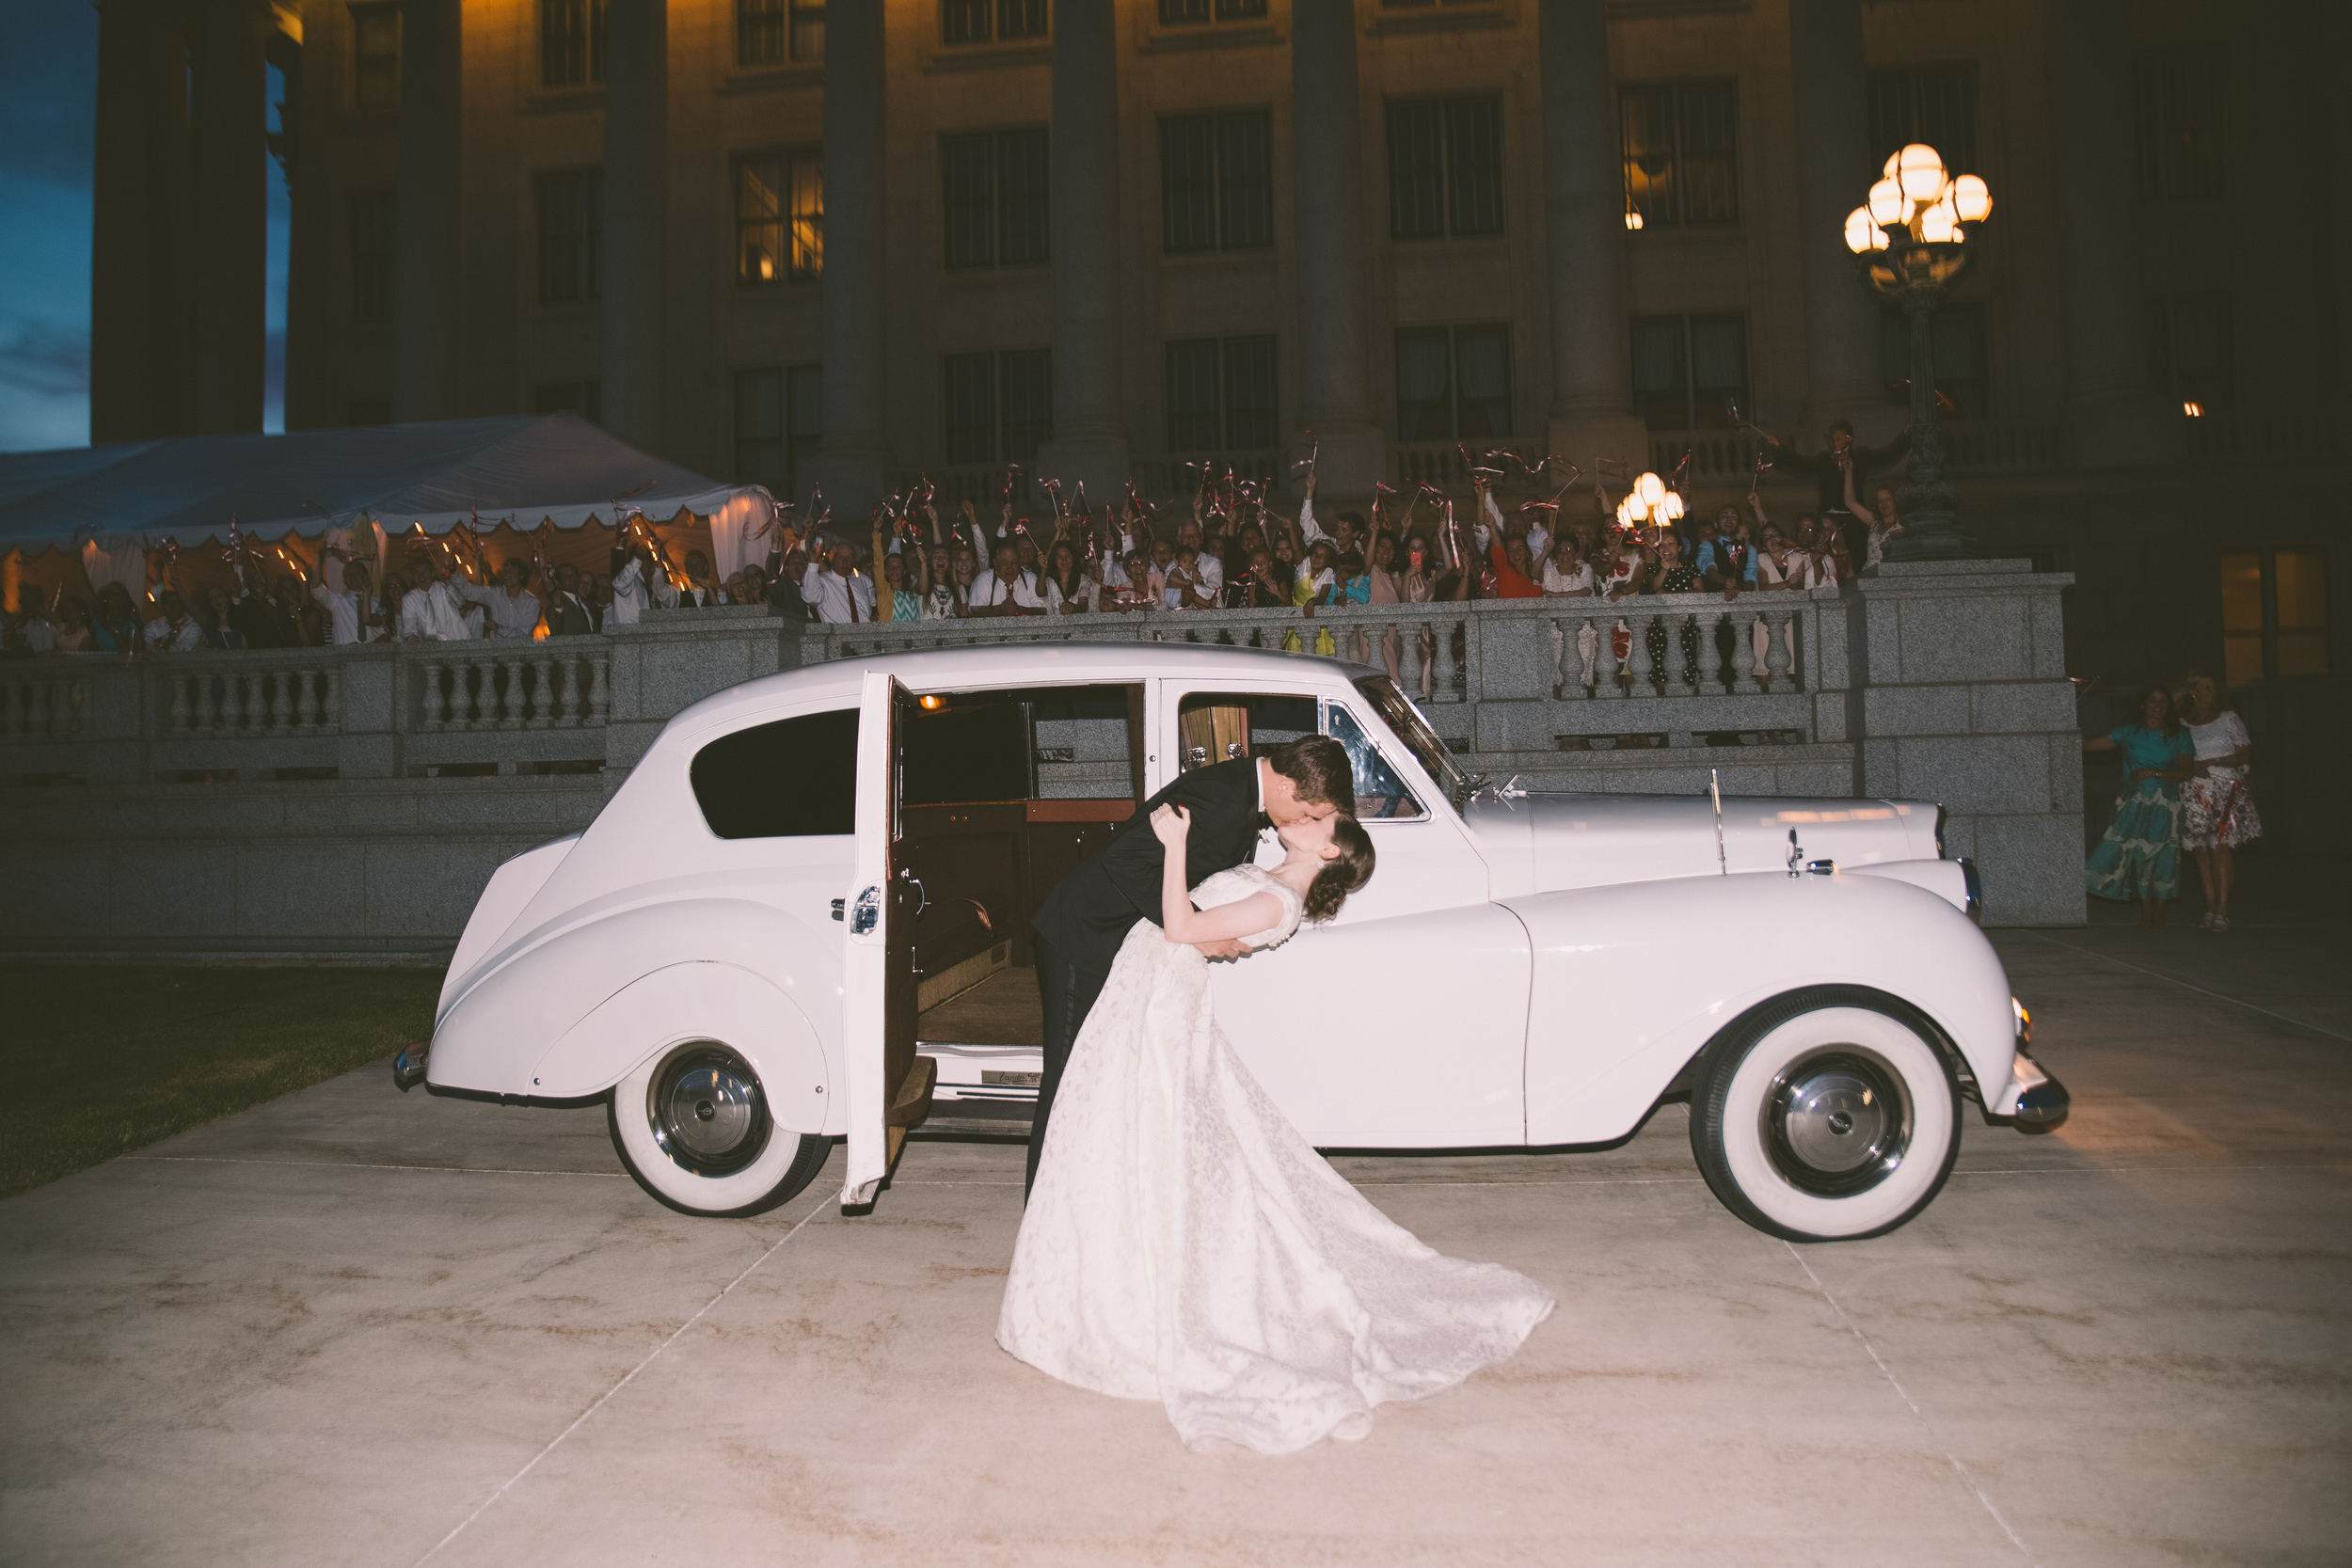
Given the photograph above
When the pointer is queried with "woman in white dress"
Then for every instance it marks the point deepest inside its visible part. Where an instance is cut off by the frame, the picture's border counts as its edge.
(1185, 1243)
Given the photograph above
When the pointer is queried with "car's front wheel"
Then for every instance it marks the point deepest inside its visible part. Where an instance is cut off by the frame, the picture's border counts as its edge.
(1825, 1115)
(692, 1125)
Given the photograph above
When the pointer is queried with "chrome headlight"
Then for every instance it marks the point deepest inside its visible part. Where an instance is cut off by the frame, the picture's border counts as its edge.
(1939, 833)
(2024, 1023)
(1974, 886)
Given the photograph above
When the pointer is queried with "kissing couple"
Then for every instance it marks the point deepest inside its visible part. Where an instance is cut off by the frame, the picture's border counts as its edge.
(1183, 1242)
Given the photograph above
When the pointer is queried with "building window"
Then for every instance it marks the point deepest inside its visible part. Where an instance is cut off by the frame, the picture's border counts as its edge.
(772, 32)
(1931, 103)
(1187, 13)
(1221, 395)
(2274, 615)
(1452, 383)
(373, 222)
(779, 216)
(999, 406)
(1445, 167)
(1959, 333)
(1689, 370)
(992, 21)
(376, 57)
(779, 424)
(1681, 152)
(1217, 182)
(571, 43)
(571, 234)
(584, 398)
(2189, 351)
(2176, 103)
(993, 189)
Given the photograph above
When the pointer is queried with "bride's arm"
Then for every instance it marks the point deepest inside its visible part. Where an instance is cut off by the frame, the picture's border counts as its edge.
(1179, 920)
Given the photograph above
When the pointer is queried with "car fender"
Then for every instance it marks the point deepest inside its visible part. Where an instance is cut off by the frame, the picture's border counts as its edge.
(495, 1036)
(696, 1001)
(1631, 982)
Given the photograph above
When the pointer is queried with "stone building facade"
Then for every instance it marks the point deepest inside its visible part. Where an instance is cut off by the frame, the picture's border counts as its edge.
(795, 243)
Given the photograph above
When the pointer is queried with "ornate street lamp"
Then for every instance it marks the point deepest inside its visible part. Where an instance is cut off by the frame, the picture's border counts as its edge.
(1912, 238)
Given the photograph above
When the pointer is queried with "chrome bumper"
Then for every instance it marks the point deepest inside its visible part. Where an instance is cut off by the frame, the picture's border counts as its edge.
(2033, 1098)
(408, 1067)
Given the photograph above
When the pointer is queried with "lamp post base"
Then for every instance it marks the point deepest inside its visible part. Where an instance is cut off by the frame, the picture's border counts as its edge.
(1921, 541)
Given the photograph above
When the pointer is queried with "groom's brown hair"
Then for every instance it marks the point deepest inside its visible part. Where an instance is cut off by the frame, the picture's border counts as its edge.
(1317, 767)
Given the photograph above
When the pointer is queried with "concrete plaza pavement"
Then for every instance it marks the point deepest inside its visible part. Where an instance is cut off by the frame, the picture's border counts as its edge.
(354, 1327)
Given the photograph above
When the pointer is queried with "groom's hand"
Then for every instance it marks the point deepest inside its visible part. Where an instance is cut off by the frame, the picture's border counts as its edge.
(1232, 947)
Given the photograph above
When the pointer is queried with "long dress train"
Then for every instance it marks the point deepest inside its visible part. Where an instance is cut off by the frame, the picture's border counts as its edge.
(1185, 1243)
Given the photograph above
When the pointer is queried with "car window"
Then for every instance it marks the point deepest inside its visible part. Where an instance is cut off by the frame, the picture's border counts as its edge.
(796, 777)
(1380, 794)
(1222, 726)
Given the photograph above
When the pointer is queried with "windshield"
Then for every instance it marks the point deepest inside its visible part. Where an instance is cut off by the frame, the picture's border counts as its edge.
(1419, 739)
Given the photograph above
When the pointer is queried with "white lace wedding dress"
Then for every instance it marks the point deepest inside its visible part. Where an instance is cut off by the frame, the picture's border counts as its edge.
(1185, 1244)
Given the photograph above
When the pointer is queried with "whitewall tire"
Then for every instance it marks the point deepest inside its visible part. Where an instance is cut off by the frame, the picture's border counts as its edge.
(1825, 1115)
(692, 1125)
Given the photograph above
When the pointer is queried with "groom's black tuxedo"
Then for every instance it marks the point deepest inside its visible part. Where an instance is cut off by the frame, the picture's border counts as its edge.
(1088, 915)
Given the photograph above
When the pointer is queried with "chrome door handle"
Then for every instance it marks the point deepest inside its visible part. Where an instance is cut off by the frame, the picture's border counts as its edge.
(923, 900)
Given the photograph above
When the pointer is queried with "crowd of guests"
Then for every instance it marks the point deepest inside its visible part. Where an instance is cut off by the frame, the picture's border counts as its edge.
(2185, 786)
(1235, 550)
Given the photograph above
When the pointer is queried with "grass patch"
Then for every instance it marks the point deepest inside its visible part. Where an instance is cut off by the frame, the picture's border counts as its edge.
(101, 1061)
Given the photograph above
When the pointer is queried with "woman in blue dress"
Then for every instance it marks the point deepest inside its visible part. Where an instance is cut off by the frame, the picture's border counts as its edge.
(2140, 856)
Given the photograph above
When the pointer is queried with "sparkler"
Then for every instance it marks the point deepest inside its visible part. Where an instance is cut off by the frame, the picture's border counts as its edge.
(1315, 451)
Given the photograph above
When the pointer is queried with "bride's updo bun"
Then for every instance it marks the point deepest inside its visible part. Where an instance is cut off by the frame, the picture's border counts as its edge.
(1338, 878)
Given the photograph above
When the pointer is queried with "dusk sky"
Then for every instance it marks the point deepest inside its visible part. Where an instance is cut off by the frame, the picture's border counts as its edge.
(48, 101)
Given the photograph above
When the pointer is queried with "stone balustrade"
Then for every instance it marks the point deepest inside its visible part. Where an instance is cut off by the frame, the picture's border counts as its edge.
(353, 800)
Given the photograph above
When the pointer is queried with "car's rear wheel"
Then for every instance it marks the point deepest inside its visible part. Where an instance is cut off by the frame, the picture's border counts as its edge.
(692, 1125)
(1825, 1115)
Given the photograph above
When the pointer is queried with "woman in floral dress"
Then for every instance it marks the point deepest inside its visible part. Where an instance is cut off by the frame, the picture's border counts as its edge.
(2218, 802)
(1669, 574)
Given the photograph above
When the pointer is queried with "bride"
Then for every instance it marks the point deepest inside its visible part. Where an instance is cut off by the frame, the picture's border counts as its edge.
(1185, 1244)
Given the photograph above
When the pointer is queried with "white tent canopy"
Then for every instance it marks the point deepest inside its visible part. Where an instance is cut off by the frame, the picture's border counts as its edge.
(525, 470)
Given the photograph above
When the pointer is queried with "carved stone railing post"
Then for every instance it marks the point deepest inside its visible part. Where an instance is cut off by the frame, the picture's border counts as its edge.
(1441, 661)
(1681, 663)
(1639, 665)
(1776, 644)
(1743, 639)
(600, 688)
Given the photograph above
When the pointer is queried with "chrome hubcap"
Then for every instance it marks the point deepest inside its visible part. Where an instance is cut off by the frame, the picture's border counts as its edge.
(1839, 1121)
(707, 1110)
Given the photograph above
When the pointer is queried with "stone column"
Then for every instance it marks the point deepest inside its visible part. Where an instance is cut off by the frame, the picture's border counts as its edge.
(1592, 379)
(1328, 173)
(853, 465)
(2112, 415)
(231, 215)
(428, 241)
(142, 292)
(1089, 441)
(1833, 174)
(636, 215)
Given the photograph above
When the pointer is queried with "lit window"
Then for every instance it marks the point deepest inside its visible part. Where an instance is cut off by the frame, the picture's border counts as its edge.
(779, 217)
(2274, 615)
(1681, 142)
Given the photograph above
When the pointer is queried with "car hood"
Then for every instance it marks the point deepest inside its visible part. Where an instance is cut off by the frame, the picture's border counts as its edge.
(1572, 841)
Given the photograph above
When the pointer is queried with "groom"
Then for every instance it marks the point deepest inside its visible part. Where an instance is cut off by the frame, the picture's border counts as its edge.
(1088, 915)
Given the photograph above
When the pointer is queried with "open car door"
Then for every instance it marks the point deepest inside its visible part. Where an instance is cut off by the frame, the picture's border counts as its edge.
(889, 1085)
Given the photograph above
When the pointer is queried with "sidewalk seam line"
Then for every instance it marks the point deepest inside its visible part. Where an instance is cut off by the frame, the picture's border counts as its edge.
(361, 1164)
(1917, 1414)
(626, 1381)
(2217, 996)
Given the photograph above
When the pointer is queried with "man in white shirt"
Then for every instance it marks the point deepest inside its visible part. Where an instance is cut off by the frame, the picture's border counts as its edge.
(1007, 590)
(429, 613)
(638, 585)
(173, 630)
(513, 609)
(346, 609)
(835, 592)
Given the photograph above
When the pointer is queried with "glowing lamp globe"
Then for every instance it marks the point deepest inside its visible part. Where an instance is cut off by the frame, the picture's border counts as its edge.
(1858, 230)
(1652, 491)
(1633, 220)
(1887, 203)
(1894, 164)
(1672, 508)
(1971, 198)
(1921, 171)
(1938, 226)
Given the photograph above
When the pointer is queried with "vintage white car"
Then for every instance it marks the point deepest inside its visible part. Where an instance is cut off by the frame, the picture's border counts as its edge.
(804, 917)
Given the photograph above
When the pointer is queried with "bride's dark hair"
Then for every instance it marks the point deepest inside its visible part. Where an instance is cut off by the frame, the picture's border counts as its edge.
(1341, 876)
